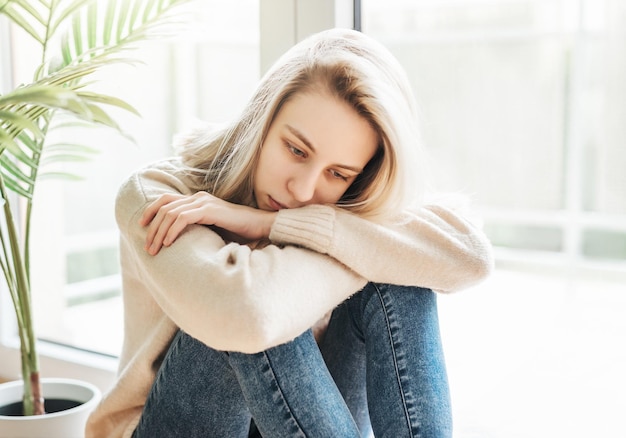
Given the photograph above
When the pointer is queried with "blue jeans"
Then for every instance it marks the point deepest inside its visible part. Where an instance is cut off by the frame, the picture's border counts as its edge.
(379, 367)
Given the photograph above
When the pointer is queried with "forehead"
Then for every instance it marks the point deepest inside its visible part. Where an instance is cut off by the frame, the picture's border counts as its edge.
(329, 126)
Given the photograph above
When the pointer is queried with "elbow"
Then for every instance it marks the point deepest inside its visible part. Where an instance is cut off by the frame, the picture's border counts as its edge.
(262, 331)
(249, 331)
(479, 263)
(473, 266)
(236, 336)
(483, 265)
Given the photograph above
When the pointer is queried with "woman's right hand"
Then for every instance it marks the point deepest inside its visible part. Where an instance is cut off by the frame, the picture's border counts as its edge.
(167, 217)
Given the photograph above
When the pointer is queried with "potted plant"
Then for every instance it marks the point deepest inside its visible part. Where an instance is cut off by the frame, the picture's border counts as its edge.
(77, 38)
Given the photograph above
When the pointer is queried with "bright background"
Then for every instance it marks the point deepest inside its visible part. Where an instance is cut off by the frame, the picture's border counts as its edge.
(523, 106)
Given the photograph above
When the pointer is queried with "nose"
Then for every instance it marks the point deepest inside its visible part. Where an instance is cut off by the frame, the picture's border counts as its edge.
(303, 185)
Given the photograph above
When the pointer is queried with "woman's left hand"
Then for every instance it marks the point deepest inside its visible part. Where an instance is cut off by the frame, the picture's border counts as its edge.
(169, 214)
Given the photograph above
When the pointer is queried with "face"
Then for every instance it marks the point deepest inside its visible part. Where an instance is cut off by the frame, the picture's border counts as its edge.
(314, 149)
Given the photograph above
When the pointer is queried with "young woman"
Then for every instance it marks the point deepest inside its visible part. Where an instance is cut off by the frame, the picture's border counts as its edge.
(280, 272)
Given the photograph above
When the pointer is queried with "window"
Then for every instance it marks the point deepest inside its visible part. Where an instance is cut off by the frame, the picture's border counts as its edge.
(520, 101)
(522, 105)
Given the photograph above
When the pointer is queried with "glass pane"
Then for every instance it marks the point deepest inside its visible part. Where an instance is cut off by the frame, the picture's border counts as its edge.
(537, 238)
(206, 73)
(605, 158)
(522, 105)
(604, 244)
(478, 102)
(490, 79)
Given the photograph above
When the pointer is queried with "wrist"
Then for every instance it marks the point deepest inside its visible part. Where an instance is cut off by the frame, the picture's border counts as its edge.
(267, 222)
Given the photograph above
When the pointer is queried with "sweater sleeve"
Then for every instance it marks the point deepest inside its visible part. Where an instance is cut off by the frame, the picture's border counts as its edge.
(430, 247)
(225, 294)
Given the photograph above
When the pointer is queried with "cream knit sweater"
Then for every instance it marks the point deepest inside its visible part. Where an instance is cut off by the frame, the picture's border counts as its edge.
(232, 297)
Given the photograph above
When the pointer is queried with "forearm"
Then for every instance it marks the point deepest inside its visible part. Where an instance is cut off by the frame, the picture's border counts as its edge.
(431, 248)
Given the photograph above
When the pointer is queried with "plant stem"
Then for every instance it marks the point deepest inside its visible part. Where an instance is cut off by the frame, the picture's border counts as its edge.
(30, 362)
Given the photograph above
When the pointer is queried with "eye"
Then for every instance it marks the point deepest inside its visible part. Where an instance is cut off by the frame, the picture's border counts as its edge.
(295, 151)
(338, 175)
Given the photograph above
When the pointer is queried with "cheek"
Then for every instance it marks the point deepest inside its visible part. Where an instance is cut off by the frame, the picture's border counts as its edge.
(269, 168)
(330, 192)
(337, 195)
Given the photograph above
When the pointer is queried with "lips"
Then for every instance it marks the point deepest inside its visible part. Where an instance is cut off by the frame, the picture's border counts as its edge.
(275, 205)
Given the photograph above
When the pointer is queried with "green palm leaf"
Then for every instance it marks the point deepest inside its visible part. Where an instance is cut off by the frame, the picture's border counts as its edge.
(93, 35)
(63, 14)
(85, 53)
(23, 14)
(53, 96)
(113, 26)
(20, 122)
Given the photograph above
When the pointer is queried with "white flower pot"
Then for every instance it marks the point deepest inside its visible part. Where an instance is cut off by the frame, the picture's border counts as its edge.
(68, 423)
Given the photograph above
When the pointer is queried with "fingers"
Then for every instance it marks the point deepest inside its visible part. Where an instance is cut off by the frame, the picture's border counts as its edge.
(158, 230)
(167, 217)
(152, 209)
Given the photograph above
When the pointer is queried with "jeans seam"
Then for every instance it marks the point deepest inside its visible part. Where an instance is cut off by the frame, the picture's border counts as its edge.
(282, 395)
(395, 359)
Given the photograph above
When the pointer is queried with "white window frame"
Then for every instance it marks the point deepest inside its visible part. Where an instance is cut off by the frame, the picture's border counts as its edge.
(282, 24)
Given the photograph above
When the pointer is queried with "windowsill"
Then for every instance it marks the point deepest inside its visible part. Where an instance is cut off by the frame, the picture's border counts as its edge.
(62, 361)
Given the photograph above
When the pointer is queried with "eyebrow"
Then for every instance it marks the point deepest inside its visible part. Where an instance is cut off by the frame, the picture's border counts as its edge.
(308, 144)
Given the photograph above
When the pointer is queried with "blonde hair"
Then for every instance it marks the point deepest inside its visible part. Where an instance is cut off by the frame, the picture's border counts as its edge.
(350, 66)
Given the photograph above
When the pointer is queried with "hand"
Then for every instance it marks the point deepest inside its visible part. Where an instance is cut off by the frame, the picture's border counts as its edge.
(167, 217)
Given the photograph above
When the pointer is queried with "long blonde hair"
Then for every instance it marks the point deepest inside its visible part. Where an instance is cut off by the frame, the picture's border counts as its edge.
(352, 67)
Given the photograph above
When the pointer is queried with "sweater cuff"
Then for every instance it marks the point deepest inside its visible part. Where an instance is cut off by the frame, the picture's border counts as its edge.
(311, 227)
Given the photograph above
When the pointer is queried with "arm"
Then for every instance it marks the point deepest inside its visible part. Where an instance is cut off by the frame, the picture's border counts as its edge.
(428, 247)
(431, 247)
(226, 295)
